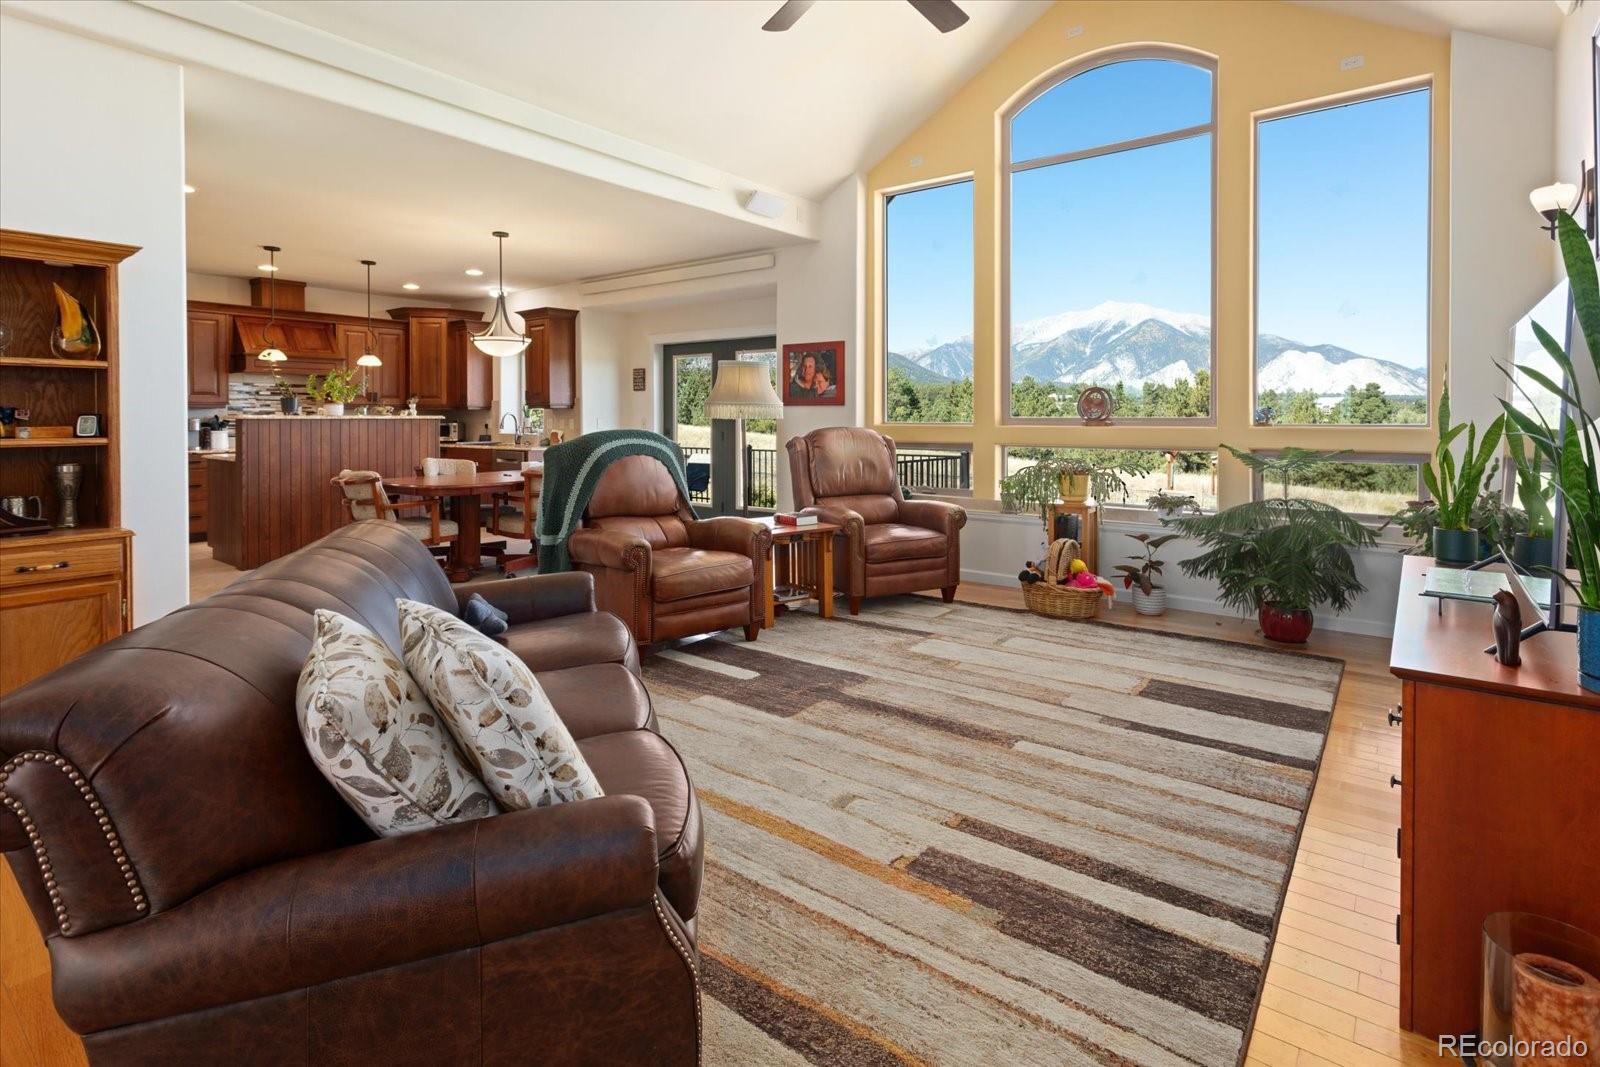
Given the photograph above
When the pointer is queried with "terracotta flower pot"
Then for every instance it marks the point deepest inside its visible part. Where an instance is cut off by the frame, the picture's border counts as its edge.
(1288, 626)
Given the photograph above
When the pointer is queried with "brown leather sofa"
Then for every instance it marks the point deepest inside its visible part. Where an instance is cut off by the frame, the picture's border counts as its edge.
(847, 475)
(207, 897)
(661, 570)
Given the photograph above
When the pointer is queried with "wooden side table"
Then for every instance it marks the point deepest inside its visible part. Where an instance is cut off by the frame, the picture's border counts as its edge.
(799, 566)
(1088, 513)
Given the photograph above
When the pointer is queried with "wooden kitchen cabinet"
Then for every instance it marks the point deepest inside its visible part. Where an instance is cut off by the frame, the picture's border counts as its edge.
(209, 342)
(61, 594)
(389, 345)
(550, 365)
(470, 374)
(199, 498)
(430, 357)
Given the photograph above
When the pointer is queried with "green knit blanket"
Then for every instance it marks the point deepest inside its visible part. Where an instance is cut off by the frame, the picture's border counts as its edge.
(572, 469)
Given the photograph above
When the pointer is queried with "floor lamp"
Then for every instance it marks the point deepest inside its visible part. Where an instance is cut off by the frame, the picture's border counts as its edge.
(743, 391)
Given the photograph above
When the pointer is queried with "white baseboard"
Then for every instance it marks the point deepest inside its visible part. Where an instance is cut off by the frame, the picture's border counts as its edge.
(1364, 627)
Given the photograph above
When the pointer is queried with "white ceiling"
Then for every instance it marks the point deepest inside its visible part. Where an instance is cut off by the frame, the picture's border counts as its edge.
(1535, 22)
(795, 111)
(333, 186)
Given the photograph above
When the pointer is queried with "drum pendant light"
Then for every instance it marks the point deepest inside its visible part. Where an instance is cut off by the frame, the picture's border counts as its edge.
(272, 354)
(501, 339)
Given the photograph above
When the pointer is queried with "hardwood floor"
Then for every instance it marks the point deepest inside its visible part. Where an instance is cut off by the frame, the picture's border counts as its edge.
(1332, 994)
(1332, 991)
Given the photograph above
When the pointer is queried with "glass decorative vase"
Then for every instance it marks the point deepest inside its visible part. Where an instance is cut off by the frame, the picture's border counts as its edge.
(1541, 992)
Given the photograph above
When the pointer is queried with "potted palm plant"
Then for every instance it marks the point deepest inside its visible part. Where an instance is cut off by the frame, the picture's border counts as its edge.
(1140, 575)
(1457, 487)
(1572, 450)
(1280, 557)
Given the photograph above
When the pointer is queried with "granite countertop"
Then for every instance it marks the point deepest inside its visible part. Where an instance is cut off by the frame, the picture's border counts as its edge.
(210, 451)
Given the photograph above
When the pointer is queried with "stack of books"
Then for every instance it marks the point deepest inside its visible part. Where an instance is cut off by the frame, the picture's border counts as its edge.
(789, 518)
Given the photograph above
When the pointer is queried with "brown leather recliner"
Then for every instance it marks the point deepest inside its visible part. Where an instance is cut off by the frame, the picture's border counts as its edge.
(847, 475)
(208, 898)
(661, 570)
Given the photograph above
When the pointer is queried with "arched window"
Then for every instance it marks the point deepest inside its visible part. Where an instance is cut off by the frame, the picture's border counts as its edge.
(1110, 265)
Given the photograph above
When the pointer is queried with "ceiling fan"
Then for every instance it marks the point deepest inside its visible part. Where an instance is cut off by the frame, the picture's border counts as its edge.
(944, 14)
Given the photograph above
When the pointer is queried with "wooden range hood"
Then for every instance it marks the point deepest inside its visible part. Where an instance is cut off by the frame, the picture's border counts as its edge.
(311, 345)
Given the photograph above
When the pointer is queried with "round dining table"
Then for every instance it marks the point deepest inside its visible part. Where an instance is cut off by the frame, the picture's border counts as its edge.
(468, 490)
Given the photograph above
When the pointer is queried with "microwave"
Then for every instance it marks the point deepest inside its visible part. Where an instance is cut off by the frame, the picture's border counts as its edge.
(449, 432)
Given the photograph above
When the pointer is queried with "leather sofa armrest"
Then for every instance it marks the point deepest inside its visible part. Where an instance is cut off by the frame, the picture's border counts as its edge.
(855, 527)
(537, 596)
(728, 533)
(608, 548)
(371, 906)
(934, 515)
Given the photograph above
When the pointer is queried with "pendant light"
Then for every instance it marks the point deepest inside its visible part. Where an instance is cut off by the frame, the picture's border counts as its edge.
(271, 354)
(501, 339)
(368, 357)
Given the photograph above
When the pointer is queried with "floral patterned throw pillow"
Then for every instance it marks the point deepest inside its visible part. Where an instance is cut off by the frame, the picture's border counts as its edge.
(373, 734)
(496, 708)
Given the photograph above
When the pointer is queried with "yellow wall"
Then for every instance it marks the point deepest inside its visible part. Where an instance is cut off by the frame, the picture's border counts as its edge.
(1269, 56)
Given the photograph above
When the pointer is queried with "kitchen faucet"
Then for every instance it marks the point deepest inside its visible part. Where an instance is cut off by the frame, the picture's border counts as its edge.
(516, 426)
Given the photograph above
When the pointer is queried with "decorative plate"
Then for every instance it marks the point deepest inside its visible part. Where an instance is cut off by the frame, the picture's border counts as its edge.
(1094, 405)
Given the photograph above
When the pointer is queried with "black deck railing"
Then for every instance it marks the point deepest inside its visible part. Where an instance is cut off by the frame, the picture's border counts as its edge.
(935, 470)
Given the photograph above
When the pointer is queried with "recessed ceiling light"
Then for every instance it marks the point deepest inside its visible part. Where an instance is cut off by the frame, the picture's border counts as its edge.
(411, 286)
(474, 272)
(268, 267)
(187, 189)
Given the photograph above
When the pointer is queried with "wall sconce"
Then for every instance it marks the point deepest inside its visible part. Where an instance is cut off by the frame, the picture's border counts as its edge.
(1551, 200)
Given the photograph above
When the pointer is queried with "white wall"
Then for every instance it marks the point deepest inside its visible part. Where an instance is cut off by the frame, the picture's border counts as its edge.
(820, 289)
(649, 330)
(93, 148)
(1502, 135)
(222, 289)
(1574, 136)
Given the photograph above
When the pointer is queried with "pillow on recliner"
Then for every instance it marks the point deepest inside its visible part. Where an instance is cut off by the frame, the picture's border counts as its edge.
(496, 709)
(374, 736)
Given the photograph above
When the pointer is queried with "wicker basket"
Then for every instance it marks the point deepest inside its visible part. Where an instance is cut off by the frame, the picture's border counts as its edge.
(1061, 601)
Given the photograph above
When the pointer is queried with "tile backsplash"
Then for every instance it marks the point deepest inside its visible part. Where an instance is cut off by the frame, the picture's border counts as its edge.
(257, 394)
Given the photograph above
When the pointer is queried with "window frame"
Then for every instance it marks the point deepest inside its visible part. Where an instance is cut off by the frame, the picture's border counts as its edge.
(883, 198)
(1305, 107)
(1407, 459)
(1008, 168)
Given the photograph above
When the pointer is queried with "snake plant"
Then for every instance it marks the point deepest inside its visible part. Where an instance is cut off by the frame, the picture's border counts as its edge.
(1455, 487)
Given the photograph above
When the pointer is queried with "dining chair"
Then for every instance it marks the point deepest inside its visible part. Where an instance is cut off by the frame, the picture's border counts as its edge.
(515, 514)
(366, 498)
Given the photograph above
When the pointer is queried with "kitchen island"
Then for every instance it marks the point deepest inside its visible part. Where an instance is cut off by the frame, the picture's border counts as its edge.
(275, 493)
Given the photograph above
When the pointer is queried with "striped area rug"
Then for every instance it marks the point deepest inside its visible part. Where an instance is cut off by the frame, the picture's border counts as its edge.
(953, 834)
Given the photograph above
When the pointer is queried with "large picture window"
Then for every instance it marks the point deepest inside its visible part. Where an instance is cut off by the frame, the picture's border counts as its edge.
(1143, 472)
(1342, 220)
(1110, 276)
(927, 314)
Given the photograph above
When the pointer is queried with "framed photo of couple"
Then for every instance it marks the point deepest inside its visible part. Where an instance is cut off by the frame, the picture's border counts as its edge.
(813, 373)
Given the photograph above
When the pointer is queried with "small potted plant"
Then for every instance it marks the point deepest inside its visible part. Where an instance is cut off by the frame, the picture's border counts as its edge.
(334, 390)
(1073, 479)
(287, 400)
(1533, 545)
(1457, 487)
(1140, 575)
(1169, 505)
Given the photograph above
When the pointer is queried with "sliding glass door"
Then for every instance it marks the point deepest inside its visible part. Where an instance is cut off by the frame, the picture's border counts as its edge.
(732, 466)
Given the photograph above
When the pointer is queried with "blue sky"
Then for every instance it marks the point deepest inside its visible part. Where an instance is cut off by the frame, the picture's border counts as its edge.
(1343, 206)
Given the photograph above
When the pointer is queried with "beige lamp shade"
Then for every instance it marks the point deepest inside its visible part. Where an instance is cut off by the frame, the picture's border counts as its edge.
(1549, 199)
(367, 359)
(743, 391)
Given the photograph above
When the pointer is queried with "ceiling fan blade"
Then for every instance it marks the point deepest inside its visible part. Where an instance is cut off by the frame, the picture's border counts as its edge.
(790, 13)
(944, 14)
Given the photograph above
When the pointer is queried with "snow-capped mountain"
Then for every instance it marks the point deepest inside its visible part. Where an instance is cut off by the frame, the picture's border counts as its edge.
(1139, 344)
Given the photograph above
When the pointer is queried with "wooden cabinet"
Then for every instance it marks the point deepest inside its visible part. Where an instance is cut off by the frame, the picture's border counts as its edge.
(208, 358)
(470, 372)
(436, 371)
(309, 344)
(1498, 797)
(61, 594)
(550, 365)
(389, 345)
(199, 498)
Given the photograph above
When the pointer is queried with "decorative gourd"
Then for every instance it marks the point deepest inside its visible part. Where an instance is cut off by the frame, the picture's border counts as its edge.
(1058, 564)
